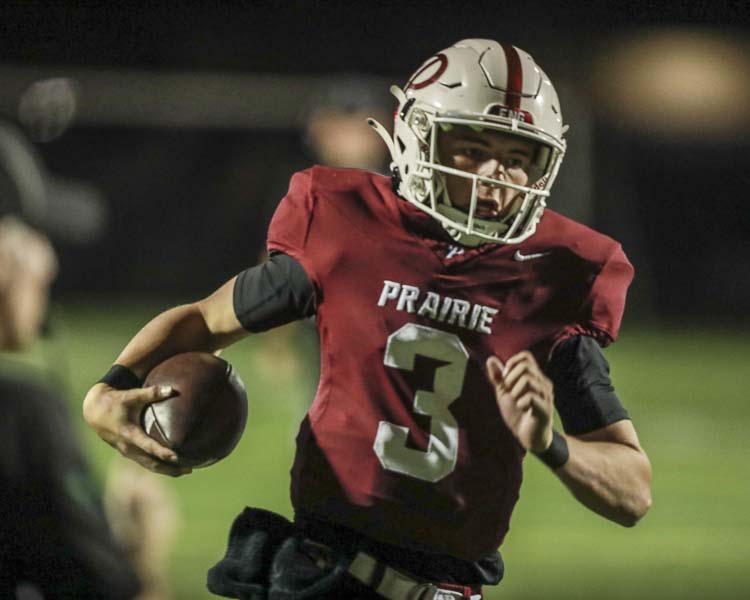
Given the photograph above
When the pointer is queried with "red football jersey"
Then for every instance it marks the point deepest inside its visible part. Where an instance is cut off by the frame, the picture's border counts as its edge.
(404, 441)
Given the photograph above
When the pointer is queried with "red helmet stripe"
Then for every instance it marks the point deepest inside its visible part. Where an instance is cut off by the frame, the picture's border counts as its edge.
(515, 77)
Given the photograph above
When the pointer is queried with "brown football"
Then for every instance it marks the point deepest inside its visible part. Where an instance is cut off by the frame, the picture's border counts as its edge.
(204, 420)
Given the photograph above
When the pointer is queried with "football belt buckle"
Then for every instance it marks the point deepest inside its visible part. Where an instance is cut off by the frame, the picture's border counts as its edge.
(395, 585)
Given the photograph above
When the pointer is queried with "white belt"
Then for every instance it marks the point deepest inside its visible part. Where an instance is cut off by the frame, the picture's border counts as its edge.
(395, 585)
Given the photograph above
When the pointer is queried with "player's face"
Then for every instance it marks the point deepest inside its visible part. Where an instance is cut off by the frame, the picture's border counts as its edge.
(491, 154)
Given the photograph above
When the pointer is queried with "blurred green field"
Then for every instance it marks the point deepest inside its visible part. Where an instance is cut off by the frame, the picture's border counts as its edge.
(687, 392)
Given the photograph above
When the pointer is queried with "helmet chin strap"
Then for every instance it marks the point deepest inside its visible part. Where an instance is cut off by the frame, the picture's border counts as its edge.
(469, 239)
(464, 239)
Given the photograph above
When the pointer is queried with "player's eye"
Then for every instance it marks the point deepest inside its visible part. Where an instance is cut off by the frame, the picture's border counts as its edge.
(474, 153)
(514, 162)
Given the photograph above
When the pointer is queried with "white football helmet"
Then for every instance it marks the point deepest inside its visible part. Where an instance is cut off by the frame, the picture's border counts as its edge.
(486, 85)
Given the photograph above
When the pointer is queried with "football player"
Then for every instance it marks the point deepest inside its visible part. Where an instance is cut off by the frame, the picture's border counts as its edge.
(455, 313)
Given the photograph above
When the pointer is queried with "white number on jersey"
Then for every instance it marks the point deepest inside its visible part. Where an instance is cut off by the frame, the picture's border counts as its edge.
(442, 450)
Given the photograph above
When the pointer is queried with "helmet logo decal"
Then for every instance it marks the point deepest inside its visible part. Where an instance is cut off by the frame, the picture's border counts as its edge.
(515, 77)
(441, 60)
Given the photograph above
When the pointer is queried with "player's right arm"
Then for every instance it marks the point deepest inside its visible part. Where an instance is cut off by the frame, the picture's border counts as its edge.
(260, 298)
(204, 326)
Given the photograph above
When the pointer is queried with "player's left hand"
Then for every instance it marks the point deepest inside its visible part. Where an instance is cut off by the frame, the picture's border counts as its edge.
(525, 398)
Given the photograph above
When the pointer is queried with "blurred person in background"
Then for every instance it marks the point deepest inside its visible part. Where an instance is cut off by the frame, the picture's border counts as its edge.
(54, 537)
(335, 129)
(456, 314)
(55, 540)
(142, 513)
(333, 132)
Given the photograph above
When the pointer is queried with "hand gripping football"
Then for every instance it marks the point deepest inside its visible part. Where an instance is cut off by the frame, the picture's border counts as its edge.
(204, 420)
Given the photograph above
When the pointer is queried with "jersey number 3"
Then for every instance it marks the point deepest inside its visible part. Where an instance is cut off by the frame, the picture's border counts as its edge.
(442, 451)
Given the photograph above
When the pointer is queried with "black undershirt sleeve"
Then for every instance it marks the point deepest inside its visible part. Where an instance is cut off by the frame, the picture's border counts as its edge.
(584, 396)
(272, 294)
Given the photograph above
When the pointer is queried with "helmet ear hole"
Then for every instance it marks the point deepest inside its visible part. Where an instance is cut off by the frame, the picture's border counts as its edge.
(401, 145)
(395, 179)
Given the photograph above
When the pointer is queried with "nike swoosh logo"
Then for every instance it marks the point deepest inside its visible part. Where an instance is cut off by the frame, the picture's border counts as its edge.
(521, 257)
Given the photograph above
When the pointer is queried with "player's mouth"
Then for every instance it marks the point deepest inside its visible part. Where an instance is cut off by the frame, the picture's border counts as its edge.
(494, 203)
(488, 208)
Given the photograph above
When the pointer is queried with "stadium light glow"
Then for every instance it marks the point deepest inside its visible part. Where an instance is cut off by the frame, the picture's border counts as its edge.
(678, 82)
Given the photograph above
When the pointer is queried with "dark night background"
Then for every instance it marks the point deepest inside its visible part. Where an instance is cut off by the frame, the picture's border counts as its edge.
(188, 121)
(188, 205)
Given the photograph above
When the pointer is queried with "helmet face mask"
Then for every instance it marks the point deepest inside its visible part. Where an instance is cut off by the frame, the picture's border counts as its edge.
(485, 86)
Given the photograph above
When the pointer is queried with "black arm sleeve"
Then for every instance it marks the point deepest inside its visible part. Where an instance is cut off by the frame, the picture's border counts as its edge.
(584, 396)
(273, 294)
